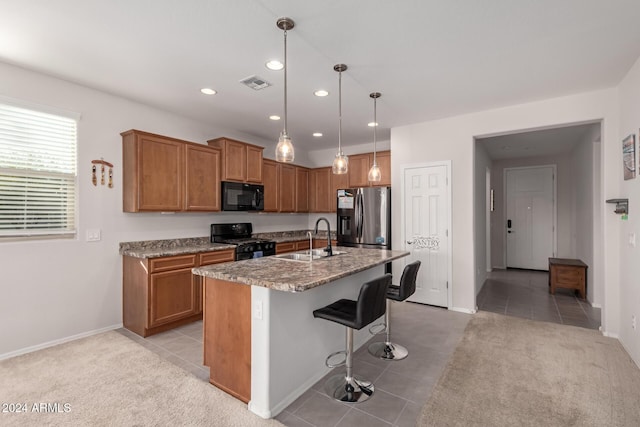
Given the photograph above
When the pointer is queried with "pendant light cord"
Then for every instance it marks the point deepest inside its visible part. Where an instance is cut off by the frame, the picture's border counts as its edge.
(340, 112)
(285, 82)
(375, 125)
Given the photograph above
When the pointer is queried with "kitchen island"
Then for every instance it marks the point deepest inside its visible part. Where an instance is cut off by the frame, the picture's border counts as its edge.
(261, 342)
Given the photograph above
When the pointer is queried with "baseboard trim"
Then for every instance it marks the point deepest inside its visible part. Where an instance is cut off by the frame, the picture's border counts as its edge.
(58, 341)
(463, 310)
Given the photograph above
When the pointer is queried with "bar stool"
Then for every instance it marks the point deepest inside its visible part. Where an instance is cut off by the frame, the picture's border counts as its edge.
(354, 315)
(387, 350)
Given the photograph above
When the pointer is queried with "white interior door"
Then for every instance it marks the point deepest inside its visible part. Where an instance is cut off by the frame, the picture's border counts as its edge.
(530, 227)
(426, 199)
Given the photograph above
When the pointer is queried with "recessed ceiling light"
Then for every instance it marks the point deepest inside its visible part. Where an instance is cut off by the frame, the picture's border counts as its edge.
(317, 134)
(274, 117)
(208, 91)
(274, 65)
(372, 124)
(321, 92)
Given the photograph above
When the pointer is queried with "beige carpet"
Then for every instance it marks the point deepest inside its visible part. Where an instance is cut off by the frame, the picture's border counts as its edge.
(109, 380)
(508, 371)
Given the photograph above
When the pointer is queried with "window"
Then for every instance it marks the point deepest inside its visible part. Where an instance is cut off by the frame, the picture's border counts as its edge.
(37, 173)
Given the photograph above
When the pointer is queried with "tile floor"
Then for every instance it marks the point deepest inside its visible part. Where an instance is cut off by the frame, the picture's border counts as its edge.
(525, 293)
(431, 334)
(402, 387)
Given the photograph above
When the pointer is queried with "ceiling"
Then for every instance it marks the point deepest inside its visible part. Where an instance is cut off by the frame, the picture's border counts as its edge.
(539, 143)
(429, 58)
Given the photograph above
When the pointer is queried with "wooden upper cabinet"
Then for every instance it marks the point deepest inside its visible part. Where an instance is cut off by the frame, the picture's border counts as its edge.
(241, 162)
(158, 175)
(358, 169)
(286, 188)
(359, 165)
(337, 182)
(384, 163)
(202, 178)
(302, 189)
(320, 190)
(254, 164)
(270, 181)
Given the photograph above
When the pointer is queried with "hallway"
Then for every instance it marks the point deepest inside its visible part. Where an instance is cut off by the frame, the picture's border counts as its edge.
(525, 293)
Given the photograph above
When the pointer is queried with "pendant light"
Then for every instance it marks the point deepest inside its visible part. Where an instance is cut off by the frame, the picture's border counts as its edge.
(284, 149)
(341, 162)
(374, 173)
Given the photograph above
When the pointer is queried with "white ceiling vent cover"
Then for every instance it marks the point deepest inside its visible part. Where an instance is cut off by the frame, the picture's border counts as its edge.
(255, 82)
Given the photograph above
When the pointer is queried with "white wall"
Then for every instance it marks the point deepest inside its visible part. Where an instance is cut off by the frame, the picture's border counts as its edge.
(629, 93)
(482, 162)
(55, 289)
(453, 138)
(584, 195)
(320, 158)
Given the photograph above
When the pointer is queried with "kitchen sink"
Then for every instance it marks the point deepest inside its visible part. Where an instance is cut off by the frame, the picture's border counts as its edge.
(304, 256)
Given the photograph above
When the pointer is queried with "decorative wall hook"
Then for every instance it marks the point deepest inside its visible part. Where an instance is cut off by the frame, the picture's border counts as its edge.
(102, 163)
(622, 206)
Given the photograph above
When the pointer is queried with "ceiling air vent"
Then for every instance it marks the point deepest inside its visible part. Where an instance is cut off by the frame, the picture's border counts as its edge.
(255, 82)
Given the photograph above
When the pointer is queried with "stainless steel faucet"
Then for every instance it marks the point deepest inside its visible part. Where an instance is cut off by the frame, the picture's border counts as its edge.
(310, 246)
(328, 249)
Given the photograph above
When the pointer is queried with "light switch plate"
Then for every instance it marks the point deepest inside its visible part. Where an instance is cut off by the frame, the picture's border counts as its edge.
(94, 235)
(632, 240)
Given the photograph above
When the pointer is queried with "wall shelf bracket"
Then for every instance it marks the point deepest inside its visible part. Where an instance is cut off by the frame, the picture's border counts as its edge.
(622, 206)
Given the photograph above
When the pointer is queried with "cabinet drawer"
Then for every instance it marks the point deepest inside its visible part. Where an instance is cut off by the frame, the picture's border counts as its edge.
(216, 257)
(285, 247)
(302, 245)
(172, 263)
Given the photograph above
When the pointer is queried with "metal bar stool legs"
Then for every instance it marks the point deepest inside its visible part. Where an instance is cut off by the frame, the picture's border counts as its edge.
(355, 315)
(346, 387)
(388, 350)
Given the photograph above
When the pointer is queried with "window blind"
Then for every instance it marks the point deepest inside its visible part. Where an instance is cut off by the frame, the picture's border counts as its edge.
(37, 172)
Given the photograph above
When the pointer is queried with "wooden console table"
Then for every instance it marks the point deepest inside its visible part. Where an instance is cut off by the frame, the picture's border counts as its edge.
(568, 273)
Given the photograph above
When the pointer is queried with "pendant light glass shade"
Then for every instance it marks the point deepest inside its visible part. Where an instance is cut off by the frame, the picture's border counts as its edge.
(341, 162)
(374, 174)
(284, 149)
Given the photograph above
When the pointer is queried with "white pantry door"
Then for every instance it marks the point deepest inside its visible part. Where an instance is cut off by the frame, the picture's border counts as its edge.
(530, 223)
(426, 199)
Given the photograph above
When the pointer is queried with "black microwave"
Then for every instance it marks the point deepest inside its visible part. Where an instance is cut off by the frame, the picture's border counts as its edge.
(237, 196)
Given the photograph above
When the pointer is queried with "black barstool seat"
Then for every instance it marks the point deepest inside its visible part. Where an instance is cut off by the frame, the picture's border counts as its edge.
(387, 350)
(354, 315)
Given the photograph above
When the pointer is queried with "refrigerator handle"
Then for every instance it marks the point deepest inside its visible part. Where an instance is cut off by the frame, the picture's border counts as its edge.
(360, 214)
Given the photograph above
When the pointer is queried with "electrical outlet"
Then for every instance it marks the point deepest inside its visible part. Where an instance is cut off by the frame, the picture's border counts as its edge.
(633, 322)
(257, 310)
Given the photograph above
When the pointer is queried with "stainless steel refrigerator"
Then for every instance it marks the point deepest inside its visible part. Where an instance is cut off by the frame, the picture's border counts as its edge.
(364, 217)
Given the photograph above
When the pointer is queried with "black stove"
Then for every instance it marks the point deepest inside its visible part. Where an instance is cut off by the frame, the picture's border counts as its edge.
(239, 234)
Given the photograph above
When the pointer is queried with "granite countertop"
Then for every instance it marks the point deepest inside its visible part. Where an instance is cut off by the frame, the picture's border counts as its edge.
(298, 276)
(190, 245)
(293, 236)
(170, 247)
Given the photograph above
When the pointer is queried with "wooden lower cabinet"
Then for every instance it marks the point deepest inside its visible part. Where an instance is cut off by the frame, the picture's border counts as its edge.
(283, 248)
(161, 293)
(172, 296)
(300, 245)
(227, 336)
